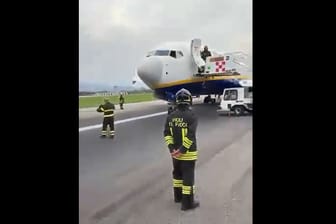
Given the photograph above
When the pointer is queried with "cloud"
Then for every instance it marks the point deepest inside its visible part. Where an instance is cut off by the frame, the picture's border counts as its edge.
(115, 34)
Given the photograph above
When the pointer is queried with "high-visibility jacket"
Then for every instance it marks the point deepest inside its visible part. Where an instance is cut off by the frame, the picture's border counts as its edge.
(180, 133)
(108, 109)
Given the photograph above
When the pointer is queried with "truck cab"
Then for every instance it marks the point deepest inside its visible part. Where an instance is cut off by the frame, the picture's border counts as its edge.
(237, 100)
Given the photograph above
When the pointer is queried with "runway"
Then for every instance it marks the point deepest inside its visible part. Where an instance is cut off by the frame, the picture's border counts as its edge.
(128, 179)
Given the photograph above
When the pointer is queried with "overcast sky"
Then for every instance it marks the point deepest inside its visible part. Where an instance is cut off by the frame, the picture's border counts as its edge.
(115, 34)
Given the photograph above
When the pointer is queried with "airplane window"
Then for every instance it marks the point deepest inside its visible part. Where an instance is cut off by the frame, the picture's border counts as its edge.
(173, 54)
(179, 54)
(161, 53)
(227, 58)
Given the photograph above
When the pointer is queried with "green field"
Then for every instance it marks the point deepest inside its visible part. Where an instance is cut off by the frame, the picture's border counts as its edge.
(95, 101)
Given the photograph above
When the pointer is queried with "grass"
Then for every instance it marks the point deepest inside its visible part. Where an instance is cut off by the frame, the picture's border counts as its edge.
(95, 101)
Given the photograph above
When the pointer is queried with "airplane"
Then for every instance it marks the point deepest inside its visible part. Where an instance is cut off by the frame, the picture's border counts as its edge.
(175, 65)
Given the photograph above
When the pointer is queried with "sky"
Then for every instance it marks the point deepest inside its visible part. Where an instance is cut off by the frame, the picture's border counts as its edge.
(114, 35)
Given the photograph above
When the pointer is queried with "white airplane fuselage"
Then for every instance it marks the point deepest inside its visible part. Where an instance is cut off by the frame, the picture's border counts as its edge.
(170, 67)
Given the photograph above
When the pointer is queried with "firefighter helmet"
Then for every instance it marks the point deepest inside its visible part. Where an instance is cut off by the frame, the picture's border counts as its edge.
(183, 96)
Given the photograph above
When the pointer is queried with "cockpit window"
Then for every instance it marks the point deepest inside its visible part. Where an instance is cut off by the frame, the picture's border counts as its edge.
(172, 54)
(175, 54)
(161, 53)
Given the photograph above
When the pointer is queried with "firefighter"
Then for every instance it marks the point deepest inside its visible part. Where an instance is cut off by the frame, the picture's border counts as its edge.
(180, 136)
(108, 109)
(205, 53)
(121, 101)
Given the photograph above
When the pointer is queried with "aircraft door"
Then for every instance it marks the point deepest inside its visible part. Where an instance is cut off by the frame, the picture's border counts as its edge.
(196, 52)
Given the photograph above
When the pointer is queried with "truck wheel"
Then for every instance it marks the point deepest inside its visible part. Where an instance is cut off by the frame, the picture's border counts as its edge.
(238, 110)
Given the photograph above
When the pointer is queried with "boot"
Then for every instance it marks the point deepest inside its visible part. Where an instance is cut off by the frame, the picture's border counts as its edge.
(177, 194)
(188, 202)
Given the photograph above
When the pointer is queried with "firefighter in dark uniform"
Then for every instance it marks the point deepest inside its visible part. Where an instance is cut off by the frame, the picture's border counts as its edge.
(180, 136)
(108, 109)
(121, 101)
(205, 53)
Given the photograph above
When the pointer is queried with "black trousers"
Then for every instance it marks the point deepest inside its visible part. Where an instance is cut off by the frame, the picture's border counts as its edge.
(108, 121)
(184, 176)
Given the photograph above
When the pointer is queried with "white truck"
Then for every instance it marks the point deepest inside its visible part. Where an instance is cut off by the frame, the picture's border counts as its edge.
(237, 100)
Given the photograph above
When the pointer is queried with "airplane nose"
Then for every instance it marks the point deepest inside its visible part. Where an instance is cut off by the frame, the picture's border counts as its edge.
(150, 71)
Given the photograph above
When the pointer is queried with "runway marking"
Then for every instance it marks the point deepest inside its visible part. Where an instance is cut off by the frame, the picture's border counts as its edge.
(91, 127)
